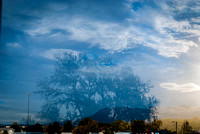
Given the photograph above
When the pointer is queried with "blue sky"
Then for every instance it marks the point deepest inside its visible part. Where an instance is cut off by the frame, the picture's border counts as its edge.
(159, 39)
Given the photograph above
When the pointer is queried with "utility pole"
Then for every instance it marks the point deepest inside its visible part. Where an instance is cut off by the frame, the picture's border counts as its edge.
(176, 126)
(28, 110)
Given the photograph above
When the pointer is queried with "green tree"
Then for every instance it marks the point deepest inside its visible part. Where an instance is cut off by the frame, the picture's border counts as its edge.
(138, 126)
(56, 127)
(68, 126)
(50, 129)
(16, 127)
(35, 128)
(86, 125)
(120, 126)
(106, 128)
(108, 131)
(155, 125)
(38, 127)
(84, 121)
(80, 130)
(93, 126)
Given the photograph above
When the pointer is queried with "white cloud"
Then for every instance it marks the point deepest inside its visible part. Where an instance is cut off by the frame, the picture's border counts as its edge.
(108, 36)
(173, 37)
(171, 47)
(114, 37)
(188, 87)
(165, 23)
(184, 5)
(15, 45)
(52, 54)
(196, 20)
(169, 37)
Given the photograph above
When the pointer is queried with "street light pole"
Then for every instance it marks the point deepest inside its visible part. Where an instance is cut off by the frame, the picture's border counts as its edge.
(176, 126)
(28, 110)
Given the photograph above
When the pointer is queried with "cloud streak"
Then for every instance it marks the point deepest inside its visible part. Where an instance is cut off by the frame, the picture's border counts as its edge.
(185, 88)
(13, 45)
(52, 54)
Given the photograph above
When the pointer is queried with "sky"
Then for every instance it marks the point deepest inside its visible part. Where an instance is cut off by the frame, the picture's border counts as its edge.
(158, 39)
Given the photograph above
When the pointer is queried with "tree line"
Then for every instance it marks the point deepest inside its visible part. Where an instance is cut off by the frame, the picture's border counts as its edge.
(87, 125)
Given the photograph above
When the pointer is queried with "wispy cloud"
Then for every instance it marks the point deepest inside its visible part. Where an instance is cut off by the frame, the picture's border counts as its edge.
(114, 37)
(106, 35)
(184, 6)
(14, 45)
(52, 54)
(162, 32)
(188, 87)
